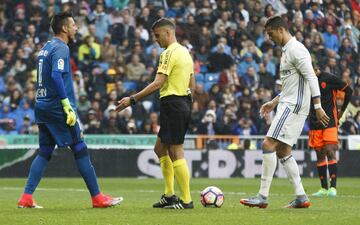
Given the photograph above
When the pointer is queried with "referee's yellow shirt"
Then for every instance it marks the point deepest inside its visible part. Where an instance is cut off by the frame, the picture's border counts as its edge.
(177, 64)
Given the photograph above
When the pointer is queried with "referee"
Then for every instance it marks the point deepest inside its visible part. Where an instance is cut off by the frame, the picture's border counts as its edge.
(174, 77)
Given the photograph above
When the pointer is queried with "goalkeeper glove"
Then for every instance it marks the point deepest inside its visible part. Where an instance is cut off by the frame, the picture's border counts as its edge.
(70, 114)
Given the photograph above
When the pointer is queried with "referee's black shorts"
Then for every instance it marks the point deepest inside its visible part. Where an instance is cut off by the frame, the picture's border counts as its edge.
(175, 113)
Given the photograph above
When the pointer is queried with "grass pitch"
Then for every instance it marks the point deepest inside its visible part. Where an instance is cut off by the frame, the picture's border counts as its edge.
(66, 201)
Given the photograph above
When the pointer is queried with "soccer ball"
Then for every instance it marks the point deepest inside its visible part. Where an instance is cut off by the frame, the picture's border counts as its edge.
(212, 197)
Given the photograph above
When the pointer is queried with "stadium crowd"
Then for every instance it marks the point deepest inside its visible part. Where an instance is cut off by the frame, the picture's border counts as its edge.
(114, 54)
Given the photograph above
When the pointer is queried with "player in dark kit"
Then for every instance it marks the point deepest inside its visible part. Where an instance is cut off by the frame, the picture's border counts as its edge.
(55, 114)
(325, 139)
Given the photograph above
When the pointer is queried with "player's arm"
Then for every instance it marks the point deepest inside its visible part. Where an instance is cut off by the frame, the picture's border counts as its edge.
(191, 87)
(304, 66)
(269, 106)
(56, 77)
(338, 84)
(59, 66)
(159, 81)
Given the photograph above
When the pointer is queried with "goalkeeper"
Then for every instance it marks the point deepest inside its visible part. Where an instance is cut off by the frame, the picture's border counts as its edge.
(55, 114)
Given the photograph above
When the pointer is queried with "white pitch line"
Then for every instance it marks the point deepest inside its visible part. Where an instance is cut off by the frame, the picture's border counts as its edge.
(155, 191)
(45, 189)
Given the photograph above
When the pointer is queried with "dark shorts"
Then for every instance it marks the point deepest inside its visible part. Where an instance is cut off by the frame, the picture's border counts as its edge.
(175, 113)
(54, 130)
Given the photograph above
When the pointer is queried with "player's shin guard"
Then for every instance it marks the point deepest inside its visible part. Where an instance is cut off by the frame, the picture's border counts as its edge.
(85, 167)
(182, 177)
(322, 170)
(332, 166)
(292, 170)
(268, 170)
(167, 169)
(37, 168)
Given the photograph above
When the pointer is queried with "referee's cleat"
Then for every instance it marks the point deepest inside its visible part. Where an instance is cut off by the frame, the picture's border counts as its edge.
(180, 205)
(321, 193)
(26, 201)
(302, 202)
(105, 201)
(256, 201)
(166, 201)
(332, 192)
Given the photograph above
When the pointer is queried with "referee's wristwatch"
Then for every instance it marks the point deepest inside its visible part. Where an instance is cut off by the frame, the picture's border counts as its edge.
(132, 100)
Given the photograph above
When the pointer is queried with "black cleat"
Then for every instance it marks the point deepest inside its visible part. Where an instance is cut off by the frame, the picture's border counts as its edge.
(180, 205)
(166, 201)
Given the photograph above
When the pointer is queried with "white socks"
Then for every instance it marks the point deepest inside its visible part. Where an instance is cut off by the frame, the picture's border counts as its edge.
(268, 170)
(292, 170)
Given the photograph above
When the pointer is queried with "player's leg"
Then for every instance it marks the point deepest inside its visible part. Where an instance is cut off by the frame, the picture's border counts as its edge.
(330, 150)
(47, 145)
(267, 172)
(182, 177)
(289, 130)
(321, 166)
(269, 158)
(167, 169)
(178, 112)
(87, 171)
(291, 168)
(316, 141)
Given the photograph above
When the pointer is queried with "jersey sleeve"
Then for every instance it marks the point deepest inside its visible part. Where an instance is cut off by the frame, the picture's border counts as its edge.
(303, 64)
(165, 63)
(60, 60)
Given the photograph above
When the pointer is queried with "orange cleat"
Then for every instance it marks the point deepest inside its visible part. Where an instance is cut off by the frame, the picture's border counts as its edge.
(105, 201)
(26, 201)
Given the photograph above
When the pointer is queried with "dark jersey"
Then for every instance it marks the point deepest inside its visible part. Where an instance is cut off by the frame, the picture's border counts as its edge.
(54, 56)
(329, 85)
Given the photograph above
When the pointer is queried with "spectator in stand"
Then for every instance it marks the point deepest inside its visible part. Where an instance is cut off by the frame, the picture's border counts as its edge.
(330, 39)
(108, 51)
(219, 60)
(229, 77)
(89, 51)
(200, 96)
(135, 68)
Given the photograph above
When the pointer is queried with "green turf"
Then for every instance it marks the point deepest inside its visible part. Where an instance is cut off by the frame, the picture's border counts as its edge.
(66, 201)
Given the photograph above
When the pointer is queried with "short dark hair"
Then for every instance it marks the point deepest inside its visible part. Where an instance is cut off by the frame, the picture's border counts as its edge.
(276, 22)
(59, 20)
(162, 22)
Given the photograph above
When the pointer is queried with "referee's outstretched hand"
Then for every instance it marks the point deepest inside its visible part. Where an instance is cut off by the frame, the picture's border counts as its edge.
(122, 104)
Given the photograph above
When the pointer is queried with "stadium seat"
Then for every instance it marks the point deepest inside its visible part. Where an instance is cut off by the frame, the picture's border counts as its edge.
(129, 86)
(104, 66)
(203, 69)
(208, 85)
(199, 77)
(212, 77)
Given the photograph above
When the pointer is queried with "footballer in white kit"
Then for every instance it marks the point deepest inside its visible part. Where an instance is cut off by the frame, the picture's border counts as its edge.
(299, 84)
(299, 88)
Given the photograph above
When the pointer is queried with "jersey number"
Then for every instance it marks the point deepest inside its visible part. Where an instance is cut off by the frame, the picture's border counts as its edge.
(40, 72)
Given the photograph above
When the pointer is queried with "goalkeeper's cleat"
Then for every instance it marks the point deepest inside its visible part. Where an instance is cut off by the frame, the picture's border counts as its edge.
(321, 193)
(166, 201)
(26, 201)
(256, 201)
(299, 203)
(332, 192)
(180, 205)
(105, 201)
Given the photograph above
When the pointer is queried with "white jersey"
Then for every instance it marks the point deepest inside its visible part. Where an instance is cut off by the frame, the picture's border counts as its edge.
(299, 82)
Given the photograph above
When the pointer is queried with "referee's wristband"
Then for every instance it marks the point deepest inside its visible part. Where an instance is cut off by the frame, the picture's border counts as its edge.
(132, 100)
(317, 106)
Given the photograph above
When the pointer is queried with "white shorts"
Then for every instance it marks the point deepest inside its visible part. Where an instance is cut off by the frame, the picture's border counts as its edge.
(286, 126)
